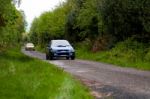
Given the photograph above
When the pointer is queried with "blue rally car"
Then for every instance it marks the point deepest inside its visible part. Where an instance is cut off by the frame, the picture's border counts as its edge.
(60, 48)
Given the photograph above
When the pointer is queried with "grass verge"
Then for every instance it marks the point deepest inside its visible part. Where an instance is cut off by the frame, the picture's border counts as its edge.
(22, 77)
(104, 57)
(125, 54)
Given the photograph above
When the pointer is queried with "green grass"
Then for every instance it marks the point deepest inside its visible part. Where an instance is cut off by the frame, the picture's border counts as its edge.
(22, 77)
(106, 57)
(126, 54)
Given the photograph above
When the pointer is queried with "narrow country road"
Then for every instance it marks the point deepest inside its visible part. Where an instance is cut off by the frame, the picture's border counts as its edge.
(105, 80)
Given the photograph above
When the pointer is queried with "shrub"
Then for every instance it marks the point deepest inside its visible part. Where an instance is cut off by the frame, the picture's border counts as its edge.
(130, 50)
(147, 56)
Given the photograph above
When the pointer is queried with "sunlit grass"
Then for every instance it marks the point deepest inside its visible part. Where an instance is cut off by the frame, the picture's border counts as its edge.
(22, 77)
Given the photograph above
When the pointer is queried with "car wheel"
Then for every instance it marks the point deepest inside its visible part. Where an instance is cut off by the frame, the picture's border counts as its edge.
(51, 57)
(26, 49)
(72, 57)
(47, 57)
(67, 57)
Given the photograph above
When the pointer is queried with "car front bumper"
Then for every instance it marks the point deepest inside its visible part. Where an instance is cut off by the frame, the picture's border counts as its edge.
(29, 49)
(63, 54)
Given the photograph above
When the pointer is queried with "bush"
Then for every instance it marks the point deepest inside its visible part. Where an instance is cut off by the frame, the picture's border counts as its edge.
(147, 56)
(130, 50)
(85, 45)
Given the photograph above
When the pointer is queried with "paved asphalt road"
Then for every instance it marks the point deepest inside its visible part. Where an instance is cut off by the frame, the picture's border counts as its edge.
(105, 80)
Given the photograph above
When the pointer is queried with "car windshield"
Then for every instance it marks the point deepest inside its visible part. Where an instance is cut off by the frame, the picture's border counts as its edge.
(60, 43)
(30, 44)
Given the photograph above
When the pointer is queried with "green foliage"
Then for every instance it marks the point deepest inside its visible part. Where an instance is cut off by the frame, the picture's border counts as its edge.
(83, 21)
(87, 19)
(71, 32)
(84, 45)
(50, 25)
(126, 18)
(27, 78)
(79, 20)
(147, 56)
(11, 24)
(130, 50)
(129, 53)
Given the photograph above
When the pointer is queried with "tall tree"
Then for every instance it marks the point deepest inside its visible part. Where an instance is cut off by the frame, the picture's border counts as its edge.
(126, 18)
(11, 24)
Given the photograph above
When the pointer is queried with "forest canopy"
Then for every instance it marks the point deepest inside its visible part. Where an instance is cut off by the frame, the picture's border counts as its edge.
(100, 23)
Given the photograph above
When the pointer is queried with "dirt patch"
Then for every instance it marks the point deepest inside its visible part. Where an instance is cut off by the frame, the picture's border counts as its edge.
(93, 85)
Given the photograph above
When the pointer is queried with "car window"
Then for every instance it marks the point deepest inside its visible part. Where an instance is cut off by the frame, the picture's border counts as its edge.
(60, 43)
(30, 44)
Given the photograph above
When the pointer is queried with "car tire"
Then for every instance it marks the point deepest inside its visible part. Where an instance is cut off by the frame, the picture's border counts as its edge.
(51, 57)
(26, 49)
(72, 57)
(67, 57)
(47, 57)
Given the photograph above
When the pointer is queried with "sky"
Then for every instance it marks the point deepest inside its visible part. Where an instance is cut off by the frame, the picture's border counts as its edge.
(34, 8)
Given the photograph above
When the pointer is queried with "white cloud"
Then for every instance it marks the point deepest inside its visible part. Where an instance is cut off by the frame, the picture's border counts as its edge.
(33, 8)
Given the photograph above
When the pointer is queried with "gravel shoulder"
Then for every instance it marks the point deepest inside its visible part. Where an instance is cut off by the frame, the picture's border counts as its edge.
(105, 81)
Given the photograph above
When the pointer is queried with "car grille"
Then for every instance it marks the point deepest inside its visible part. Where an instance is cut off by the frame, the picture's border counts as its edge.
(63, 54)
(62, 50)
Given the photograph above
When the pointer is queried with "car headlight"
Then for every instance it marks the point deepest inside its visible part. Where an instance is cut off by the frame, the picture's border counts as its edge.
(52, 50)
(72, 50)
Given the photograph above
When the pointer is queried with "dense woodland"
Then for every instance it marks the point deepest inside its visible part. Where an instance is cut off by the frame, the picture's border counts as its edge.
(101, 23)
(12, 24)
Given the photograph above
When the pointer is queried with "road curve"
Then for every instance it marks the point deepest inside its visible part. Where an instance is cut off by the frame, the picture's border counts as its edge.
(105, 80)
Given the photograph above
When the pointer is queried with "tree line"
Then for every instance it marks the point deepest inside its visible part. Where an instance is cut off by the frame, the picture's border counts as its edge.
(98, 23)
(12, 24)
